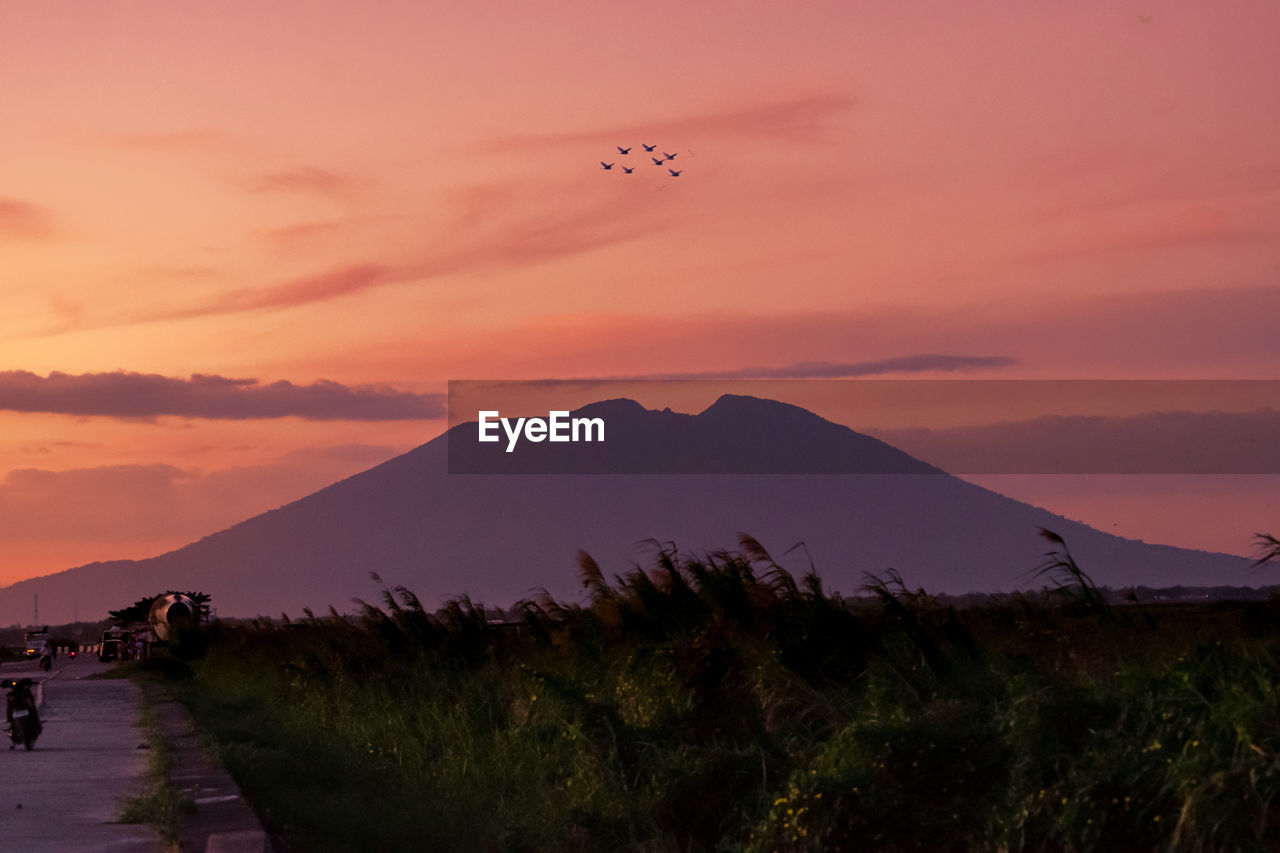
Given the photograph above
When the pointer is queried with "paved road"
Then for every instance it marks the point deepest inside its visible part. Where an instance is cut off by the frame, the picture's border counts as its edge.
(64, 796)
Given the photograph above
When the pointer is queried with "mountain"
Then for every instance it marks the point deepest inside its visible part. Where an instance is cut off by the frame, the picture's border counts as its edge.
(770, 469)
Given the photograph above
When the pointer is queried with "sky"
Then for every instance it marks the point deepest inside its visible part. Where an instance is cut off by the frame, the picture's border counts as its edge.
(245, 246)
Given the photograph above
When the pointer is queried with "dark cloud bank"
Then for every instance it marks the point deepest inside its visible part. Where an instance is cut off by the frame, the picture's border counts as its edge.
(137, 395)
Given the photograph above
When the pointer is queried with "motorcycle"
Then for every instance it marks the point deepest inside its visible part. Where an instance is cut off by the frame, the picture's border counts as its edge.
(24, 722)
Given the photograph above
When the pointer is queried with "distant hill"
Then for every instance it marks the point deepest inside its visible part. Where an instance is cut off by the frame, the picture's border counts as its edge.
(858, 504)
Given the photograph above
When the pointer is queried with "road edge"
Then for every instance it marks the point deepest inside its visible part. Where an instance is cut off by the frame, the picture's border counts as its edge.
(223, 821)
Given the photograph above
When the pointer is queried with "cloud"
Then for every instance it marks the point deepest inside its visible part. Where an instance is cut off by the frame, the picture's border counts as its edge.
(174, 140)
(1214, 332)
(925, 363)
(803, 118)
(491, 225)
(1152, 443)
(1117, 198)
(305, 235)
(523, 232)
(156, 507)
(303, 179)
(21, 220)
(136, 395)
(1076, 181)
(302, 290)
(1172, 229)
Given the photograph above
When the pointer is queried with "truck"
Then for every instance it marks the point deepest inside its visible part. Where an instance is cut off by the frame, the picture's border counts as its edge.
(35, 642)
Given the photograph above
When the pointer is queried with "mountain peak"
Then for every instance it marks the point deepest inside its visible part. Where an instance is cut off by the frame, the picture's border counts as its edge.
(617, 407)
(744, 405)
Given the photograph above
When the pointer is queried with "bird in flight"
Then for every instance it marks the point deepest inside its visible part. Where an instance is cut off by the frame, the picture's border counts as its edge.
(674, 173)
(606, 165)
(669, 156)
(656, 161)
(622, 150)
(1144, 19)
(628, 171)
(648, 147)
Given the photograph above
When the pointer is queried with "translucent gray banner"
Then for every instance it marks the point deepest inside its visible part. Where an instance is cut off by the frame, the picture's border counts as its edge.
(864, 426)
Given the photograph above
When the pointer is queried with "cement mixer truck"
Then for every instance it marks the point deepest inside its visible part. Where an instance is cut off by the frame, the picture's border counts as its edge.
(172, 613)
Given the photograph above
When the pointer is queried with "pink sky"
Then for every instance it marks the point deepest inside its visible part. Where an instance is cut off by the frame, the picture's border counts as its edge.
(388, 196)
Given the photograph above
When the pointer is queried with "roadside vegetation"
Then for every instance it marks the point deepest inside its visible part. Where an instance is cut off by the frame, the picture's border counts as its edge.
(719, 702)
(161, 806)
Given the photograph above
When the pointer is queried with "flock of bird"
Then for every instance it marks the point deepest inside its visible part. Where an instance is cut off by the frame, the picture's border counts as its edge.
(649, 149)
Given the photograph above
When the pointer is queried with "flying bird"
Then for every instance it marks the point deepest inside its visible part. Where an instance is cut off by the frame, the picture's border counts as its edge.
(1144, 19)
(628, 171)
(674, 173)
(669, 156)
(622, 150)
(606, 165)
(648, 147)
(656, 161)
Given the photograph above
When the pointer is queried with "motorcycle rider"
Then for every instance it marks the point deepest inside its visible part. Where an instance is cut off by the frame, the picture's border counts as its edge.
(46, 657)
(21, 703)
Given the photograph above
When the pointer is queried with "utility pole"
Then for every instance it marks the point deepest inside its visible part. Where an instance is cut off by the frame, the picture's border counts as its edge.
(35, 619)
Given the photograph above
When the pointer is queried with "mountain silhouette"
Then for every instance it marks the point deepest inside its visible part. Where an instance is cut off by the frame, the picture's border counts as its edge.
(770, 469)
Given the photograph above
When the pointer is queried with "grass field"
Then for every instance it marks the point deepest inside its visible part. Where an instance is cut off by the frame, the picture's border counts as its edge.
(720, 704)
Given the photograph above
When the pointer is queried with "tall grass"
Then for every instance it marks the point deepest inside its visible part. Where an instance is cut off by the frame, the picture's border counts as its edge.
(714, 702)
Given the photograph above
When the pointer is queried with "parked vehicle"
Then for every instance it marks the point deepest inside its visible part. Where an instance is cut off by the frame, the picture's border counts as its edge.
(111, 648)
(113, 644)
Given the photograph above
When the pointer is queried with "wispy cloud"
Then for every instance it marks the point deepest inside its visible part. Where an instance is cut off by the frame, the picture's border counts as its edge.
(174, 140)
(492, 225)
(303, 179)
(1178, 229)
(925, 363)
(1211, 332)
(168, 505)
(802, 118)
(306, 236)
(521, 233)
(21, 220)
(136, 395)
(298, 291)
(1153, 443)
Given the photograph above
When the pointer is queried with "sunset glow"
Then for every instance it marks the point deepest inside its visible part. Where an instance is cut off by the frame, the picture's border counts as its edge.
(244, 246)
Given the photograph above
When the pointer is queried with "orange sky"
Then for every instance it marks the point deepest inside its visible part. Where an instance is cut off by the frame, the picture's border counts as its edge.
(387, 196)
